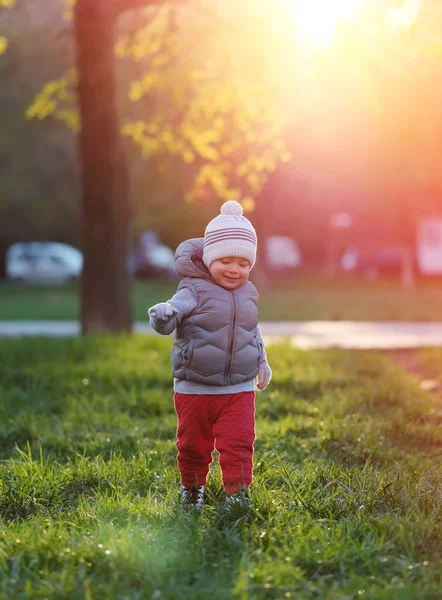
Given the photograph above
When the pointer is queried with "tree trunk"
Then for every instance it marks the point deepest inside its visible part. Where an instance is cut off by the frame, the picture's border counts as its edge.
(332, 252)
(407, 222)
(4, 245)
(105, 286)
(408, 279)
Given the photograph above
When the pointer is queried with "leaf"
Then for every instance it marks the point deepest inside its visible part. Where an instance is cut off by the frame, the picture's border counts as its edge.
(3, 44)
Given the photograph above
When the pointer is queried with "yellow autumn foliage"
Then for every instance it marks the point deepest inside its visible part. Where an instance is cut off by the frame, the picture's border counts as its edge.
(215, 84)
(248, 204)
(3, 44)
(209, 104)
(57, 99)
(69, 10)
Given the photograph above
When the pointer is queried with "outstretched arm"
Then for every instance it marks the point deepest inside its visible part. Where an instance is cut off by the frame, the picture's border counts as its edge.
(265, 372)
(166, 316)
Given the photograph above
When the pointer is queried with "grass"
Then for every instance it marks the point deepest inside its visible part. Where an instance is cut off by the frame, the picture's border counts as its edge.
(433, 357)
(304, 298)
(346, 500)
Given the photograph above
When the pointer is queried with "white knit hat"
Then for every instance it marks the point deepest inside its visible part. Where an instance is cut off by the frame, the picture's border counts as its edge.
(229, 234)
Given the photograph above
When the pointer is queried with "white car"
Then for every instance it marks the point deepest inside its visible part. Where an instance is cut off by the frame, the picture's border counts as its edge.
(283, 253)
(429, 245)
(43, 262)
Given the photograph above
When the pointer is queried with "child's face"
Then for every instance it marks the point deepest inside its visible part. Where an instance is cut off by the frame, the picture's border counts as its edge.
(230, 272)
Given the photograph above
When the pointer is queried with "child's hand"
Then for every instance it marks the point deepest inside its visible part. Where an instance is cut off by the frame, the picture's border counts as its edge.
(163, 311)
(264, 376)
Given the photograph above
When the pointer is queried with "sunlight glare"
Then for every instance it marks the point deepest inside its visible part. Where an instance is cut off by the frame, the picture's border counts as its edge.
(316, 20)
(403, 16)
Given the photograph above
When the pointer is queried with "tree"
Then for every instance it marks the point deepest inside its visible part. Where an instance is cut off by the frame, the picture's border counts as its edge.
(214, 103)
(105, 297)
(406, 120)
(38, 167)
(209, 94)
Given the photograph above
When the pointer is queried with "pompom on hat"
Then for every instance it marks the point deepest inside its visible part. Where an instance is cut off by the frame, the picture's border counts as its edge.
(229, 234)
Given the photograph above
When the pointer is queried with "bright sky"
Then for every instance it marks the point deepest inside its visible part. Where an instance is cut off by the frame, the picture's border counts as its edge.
(404, 15)
(316, 20)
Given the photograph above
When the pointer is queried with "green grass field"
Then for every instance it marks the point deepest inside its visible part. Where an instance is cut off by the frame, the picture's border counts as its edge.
(299, 300)
(346, 501)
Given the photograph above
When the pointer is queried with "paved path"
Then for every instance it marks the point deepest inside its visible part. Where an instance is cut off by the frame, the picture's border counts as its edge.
(307, 334)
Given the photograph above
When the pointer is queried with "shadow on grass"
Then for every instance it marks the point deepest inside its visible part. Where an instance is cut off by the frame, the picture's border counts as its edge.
(84, 395)
(49, 366)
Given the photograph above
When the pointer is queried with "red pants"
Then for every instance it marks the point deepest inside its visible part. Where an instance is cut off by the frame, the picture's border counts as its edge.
(225, 422)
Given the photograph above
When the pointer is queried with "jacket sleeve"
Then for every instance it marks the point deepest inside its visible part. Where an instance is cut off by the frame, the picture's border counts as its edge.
(262, 351)
(184, 302)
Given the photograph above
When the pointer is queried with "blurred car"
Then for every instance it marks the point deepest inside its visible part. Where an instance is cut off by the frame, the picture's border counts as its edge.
(43, 262)
(379, 261)
(429, 245)
(282, 253)
(154, 262)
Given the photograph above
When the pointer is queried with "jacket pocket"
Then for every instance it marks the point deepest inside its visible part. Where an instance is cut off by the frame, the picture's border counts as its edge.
(176, 357)
(188, 353)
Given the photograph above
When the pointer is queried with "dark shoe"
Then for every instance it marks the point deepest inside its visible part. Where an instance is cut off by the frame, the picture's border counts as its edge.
(192, 495)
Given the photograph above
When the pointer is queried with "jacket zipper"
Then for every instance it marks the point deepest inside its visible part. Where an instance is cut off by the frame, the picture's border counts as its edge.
(232, 339)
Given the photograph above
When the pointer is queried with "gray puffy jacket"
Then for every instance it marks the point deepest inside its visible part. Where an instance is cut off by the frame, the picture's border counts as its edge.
(217, 343)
